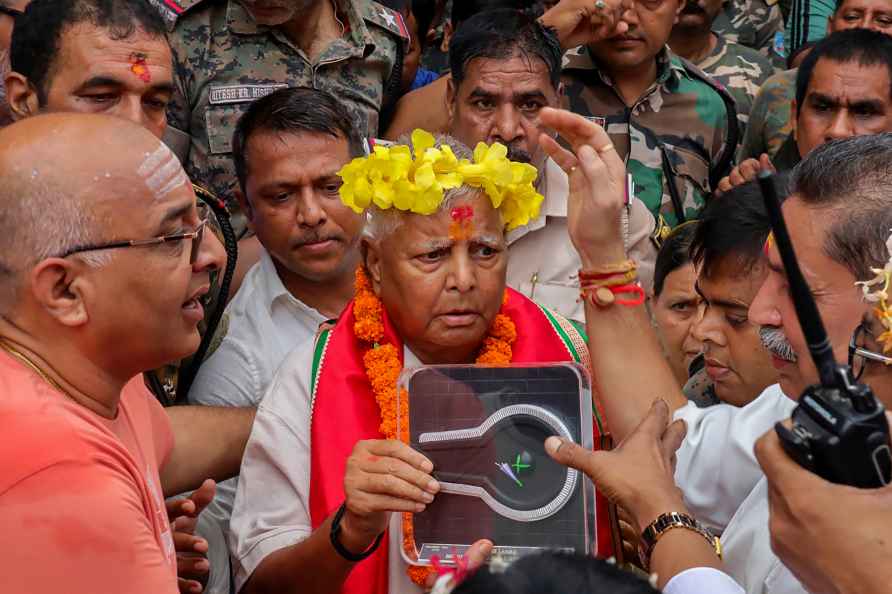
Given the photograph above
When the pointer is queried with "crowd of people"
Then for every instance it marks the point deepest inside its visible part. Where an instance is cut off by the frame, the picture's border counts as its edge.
(229, 225)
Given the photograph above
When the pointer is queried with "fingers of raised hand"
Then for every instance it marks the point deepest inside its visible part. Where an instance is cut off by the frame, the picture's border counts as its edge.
(574, 128)
(565, 159)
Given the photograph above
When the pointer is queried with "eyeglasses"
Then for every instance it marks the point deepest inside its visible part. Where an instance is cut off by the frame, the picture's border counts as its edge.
(11, 12)
(858, 354)
(196, 236)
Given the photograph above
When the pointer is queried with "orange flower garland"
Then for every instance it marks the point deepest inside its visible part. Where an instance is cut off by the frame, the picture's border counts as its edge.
(383, 368)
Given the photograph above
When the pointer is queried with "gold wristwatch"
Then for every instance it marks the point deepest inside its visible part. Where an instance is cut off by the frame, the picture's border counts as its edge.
(666, 522)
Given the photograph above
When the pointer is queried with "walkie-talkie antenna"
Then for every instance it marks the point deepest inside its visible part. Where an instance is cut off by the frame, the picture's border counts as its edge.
(809, 318)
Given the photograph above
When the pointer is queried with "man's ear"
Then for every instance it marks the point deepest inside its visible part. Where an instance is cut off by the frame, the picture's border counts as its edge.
(450, 98)
(370, 252)
(22, 96)
(244, 204)
(58, 286)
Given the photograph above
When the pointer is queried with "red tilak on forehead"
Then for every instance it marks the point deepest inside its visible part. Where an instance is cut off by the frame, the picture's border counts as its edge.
(139, 67)
(462, 213)
(462, 225)
(767, 247)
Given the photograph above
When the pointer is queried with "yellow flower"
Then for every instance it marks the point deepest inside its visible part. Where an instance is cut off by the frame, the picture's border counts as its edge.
(415, 179)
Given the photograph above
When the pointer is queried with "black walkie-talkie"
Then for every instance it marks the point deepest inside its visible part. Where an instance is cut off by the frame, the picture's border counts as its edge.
(839, 428)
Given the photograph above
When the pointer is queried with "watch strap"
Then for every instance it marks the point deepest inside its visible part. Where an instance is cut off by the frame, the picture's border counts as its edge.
(336, 542)
(666, 522)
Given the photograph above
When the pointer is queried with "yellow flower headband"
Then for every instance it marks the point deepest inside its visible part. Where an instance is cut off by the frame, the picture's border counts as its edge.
(876, 291)
(391, 178)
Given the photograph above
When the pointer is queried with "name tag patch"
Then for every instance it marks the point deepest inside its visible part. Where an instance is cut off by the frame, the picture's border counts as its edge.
(241, 93)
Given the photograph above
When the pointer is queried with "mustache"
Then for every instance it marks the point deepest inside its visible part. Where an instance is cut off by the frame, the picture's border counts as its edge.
(314, 237)
(776, 342)
(515, 153)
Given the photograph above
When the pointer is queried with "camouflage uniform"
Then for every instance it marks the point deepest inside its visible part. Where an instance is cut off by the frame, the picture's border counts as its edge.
(758, 24)
(684, 126)
(741, 70)
(223, 61)
(770, 122)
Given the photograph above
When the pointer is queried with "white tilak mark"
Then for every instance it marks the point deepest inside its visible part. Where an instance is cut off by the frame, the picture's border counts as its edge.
(162, 172)
(153, 160)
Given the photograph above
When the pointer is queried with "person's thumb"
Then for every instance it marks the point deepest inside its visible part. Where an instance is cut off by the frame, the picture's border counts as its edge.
(567, 453)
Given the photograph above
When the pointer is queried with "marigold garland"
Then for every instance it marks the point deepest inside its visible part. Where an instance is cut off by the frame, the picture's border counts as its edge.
(876, 290)
(383, 368)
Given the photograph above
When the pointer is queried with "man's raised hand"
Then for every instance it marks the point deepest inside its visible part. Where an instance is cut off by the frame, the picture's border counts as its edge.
(597, 185)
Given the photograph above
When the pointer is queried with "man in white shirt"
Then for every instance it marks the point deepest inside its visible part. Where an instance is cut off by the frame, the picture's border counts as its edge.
(496, 96)
(839, 215)
(288, 148)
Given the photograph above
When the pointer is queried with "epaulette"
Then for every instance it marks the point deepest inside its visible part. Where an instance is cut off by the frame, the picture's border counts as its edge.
(386, 18)
(726, 160)
(171, 10)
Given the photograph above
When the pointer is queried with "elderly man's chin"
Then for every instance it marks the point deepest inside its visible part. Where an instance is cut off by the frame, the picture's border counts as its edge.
(455, 334)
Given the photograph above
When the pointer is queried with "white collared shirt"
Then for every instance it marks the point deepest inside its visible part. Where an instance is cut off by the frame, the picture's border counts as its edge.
(544, 265)
(265, 323)
(724, 487)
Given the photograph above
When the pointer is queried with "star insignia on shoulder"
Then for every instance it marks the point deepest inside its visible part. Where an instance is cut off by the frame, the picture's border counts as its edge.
(388, 16)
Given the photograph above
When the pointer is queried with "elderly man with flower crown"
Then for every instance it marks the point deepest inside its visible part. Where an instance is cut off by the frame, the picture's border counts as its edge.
(326, 478)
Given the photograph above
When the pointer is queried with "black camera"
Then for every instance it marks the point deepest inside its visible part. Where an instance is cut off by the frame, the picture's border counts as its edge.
(839, 428)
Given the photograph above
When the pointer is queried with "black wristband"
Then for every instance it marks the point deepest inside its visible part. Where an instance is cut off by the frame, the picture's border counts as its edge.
(336, 543)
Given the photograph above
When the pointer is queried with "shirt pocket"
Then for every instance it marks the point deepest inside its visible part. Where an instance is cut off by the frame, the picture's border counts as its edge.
(690, 167)
(690, 173)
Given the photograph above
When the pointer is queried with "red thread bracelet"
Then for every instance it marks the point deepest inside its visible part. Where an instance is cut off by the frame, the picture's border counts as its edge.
(635, 288)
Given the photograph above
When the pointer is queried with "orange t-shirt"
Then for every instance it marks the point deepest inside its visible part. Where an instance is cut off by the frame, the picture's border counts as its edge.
(81, 507)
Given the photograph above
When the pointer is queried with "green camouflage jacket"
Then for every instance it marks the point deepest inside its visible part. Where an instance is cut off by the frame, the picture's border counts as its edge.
(741, 70)
(758, 24)
(223, 61)
(683, 128)
(770, 118)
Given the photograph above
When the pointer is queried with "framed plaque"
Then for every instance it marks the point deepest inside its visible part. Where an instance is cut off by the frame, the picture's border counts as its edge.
(484, 429)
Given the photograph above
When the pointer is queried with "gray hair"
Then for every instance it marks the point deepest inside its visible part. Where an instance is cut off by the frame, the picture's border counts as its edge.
(382, 223)
(40, 220)
(852, 178)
